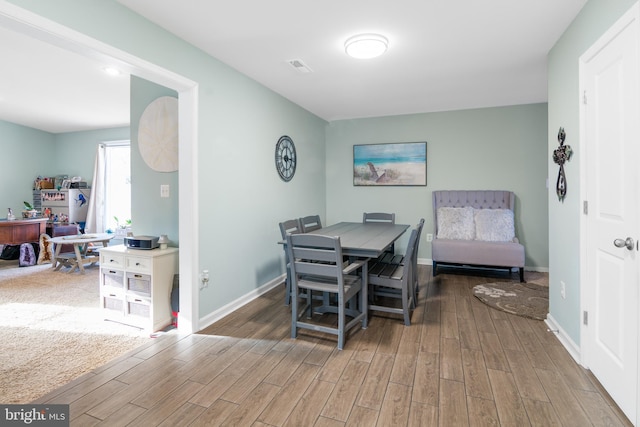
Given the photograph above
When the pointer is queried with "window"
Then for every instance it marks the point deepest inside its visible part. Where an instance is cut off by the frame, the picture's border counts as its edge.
(117, 188)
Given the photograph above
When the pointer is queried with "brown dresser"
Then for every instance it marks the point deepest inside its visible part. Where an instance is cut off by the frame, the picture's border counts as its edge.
(20, 231)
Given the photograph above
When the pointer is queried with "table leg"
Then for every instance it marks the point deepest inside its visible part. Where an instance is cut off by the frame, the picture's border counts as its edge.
(79, 263)
(54, 261)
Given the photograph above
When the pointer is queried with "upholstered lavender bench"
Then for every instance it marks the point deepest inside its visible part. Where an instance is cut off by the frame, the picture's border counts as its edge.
(475, 228)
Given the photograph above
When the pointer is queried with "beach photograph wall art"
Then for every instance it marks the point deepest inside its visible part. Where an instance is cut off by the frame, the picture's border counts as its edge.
(401, 163)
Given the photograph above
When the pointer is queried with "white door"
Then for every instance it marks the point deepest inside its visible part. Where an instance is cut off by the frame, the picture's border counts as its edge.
(609, 77)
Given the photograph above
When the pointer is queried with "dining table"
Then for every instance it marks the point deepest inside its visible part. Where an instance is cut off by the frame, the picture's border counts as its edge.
(364, 240)
(81, 253)
(360, 240)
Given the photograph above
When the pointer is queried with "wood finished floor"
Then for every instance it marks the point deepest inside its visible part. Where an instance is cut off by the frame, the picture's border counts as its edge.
(460, 363)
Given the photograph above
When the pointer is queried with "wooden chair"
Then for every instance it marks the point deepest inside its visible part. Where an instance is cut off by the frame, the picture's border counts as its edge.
(392, 281)
(381, 217)
(291, 226)
(317, 265)
(310, 223)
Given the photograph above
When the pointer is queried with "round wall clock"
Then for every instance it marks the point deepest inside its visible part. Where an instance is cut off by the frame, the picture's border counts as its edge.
(158, 134)
(286, 158)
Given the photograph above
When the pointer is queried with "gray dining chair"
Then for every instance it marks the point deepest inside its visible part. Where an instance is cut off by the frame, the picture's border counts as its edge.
(291, 226)
(317, 266)
(389, 282)
(381, 217)
(310, 223)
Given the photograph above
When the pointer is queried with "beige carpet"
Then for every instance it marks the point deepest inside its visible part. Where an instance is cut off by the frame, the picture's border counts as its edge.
(52, 330)
(529, 299)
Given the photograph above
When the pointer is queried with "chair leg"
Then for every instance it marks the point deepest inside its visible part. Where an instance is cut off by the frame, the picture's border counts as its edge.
(521, 274)
(406, 306)
(294, 313)
(413, 290)
(364, 305)
(287, 287)
(434, 269)
(364, 296)
(341, 321)
(309, 303)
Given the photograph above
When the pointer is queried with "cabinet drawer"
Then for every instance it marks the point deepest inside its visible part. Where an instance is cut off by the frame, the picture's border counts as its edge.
(138, 307)
(140, 264)
(108, 260)
(113, 303)
(112, 278)
(139, 283)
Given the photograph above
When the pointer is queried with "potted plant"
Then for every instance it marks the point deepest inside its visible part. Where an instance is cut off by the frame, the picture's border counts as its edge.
(122, 229)
(29, 211)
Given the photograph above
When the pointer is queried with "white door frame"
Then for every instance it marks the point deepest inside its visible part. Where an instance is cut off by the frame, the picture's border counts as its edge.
(585, 297)
(36, 26)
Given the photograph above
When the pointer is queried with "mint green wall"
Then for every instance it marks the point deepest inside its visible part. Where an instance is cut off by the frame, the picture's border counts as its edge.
(564, 110)
(26, 154)
(482, 149)
(241, 198)
(76, 151)
(151, 215)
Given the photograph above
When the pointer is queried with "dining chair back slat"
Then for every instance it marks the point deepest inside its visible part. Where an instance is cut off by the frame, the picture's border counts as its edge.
(292, 226)
(379, 217)
(310, 223)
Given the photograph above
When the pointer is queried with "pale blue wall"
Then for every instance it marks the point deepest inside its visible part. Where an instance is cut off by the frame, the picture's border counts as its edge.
(26, 154)
(241, 198)
(75, 152)
(151, 215)
(564, 110)
(29, 153)
(482, 149)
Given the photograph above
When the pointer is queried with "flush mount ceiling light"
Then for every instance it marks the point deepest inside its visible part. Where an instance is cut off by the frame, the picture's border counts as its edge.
(112, 71)
(365, 46)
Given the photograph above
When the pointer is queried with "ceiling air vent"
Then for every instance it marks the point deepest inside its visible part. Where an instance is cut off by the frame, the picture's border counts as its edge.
(299, 65)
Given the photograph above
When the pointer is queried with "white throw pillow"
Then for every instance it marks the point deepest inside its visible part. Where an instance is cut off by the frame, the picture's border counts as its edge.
(456, 223)
(494, 225)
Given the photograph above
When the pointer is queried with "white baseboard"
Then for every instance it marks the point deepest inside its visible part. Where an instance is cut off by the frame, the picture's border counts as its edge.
(243, 300)
(565, 340)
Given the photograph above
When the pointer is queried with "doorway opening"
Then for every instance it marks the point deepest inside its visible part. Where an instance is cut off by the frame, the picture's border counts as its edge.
(58, 35)
(117, 188)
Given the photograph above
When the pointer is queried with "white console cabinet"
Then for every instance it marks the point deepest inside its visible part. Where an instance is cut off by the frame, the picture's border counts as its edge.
(135, 285)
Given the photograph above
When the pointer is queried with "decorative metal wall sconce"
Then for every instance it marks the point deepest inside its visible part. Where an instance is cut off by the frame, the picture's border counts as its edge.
(561, 155)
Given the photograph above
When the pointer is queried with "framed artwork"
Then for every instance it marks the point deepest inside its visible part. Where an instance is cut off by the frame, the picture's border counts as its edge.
(399, 164)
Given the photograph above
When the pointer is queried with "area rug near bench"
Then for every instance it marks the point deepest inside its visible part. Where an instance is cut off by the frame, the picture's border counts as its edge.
(523, 299)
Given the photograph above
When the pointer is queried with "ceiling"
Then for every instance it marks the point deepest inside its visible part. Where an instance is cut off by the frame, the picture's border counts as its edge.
(439, 59)
(52, 89)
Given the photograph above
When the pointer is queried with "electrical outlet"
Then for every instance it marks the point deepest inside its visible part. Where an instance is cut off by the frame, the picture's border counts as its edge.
(429, 237)
(204, 279)
(164, 190)
(563, 290)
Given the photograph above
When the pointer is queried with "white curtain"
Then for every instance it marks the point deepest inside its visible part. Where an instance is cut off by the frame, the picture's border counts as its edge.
(95, 212)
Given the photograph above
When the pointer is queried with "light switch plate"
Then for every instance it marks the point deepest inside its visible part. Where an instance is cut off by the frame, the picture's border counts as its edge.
(164, 190)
